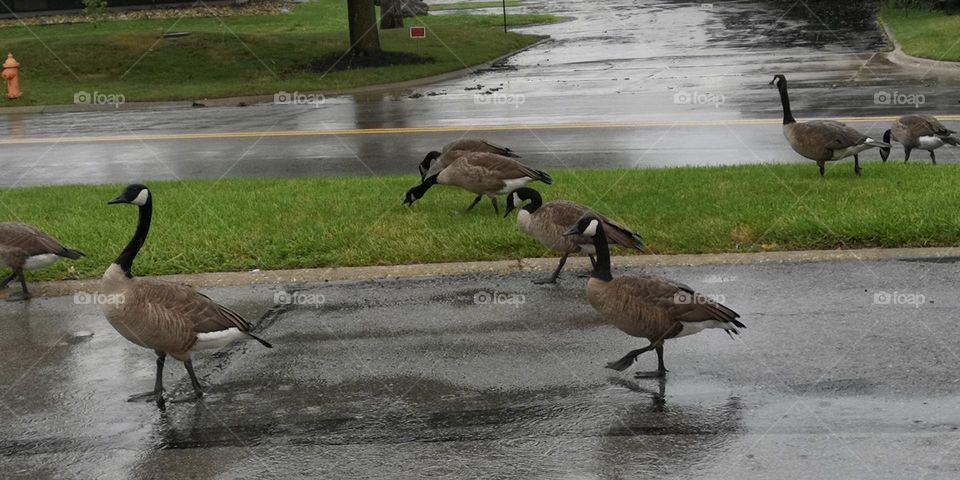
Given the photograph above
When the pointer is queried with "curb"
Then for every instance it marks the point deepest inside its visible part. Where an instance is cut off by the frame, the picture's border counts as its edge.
(268, 98)
(503, 267)
(899, 57)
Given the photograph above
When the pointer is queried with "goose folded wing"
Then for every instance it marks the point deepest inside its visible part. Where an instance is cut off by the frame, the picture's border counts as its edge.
(29, 239)
(502, 168)
(831, 134)
(198, 310)
(923, 125)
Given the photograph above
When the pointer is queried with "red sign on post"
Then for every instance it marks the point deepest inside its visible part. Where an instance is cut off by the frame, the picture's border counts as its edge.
(418, 32)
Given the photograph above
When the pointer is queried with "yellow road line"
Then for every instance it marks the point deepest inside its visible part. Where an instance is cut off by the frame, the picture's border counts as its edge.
(415, 130)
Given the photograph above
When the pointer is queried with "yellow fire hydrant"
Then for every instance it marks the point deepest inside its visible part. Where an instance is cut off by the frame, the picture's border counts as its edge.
(11, 73)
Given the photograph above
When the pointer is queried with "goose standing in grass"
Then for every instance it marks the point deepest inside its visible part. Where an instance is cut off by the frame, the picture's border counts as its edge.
(922, 132)
(547, 222)
(483, 174)
(168, 318)
(24, 248)
(822, 140)
(455, 149)
(650, 307)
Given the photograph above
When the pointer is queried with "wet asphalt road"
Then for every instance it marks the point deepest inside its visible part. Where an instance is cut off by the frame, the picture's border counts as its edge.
(414, 378)
(685, 84)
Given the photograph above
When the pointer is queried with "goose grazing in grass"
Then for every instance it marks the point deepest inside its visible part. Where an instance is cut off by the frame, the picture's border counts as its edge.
(455, 149)
(822, 140)
(650, 307)
(921, 132)
(483, 174)
(24, 248)
(168, 318)
(547, 222)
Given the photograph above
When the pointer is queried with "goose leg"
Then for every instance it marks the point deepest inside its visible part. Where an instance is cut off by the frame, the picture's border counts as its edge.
(661, 369)
(7, 280)
(906, 153)
(629, 358)
(474, 204)
(157, 393)
(496, 209)
(933, 157)
(556, 273)
(856, 165)
(24, 294)
(823, 168)
(193, 379)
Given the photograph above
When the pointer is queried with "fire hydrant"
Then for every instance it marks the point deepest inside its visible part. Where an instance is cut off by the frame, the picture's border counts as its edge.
(11, 73)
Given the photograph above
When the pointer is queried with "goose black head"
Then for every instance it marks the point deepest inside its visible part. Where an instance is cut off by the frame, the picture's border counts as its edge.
(779, 80)
(884, 151)
(427, 161)
(587, 225)
(135, 194)
(516, 198)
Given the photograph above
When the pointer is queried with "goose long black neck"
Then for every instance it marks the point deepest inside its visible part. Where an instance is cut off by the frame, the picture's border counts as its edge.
(427, 183)
(785, 101)
(601, 270)
(536, 201)
(125, 260)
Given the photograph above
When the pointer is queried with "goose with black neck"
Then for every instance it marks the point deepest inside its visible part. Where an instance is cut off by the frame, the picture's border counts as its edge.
(168, 318)
(647, 306)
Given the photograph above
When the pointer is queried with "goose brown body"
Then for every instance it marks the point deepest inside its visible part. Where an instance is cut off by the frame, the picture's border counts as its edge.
(656, 308)
(549, 223)
(822, 140)
(922, 132)
(647, 306)
(24, 247)
(163, 316)
(168, 318)
(488, 174)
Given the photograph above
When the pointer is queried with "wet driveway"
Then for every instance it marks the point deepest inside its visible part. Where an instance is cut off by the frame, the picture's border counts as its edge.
(433, 378)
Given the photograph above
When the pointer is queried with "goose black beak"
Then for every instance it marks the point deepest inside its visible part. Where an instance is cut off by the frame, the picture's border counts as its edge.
(573, 231)
(116, 201)
(505, 215)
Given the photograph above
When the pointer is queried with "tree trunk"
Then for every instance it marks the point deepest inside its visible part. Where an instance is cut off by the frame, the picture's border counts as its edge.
(364, 37)
(391, 14)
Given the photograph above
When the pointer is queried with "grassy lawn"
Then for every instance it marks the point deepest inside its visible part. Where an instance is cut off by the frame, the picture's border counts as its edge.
(925, 33)
(238, 225)
(237, 55)
(472, 5)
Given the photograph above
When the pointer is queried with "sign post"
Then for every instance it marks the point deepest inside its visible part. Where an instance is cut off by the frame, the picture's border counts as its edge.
(504, 16)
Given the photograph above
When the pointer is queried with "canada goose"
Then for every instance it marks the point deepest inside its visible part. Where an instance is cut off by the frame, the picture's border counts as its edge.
(24, 248)
(547, 222)
(483, 174)
(455, 149)
(645, 306)
(923, 132)
(165, 317)
(822, 140)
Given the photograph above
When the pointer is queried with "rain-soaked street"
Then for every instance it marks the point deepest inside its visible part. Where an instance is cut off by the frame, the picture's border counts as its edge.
(846, 370)
(625, 83)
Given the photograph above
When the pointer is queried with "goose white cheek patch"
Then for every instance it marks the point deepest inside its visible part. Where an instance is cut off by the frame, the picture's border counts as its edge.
(141, 199)
(591, 229)
(516, 199)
